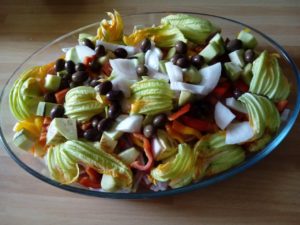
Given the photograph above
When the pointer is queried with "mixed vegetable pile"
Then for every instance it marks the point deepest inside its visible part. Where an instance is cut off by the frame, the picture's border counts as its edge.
(159, 108)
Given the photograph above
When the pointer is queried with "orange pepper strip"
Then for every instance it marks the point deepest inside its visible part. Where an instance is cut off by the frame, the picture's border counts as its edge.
(60, 96)
(174, 134)
(182, 129)
(148, 152)
(183, 110)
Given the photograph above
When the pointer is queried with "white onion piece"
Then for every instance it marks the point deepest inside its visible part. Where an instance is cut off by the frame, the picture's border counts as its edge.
(157, 75)
(285, 115)
(193, 88)
(159, 186)
(174, 72)
(236, 105)
(156, 147)
(210, 77)
(237, 133)
(124, 68)
(131, 124)
(120, 83)
(130, 49)
(66, 49)
(223, 116)
(83, 52)
(152, 58)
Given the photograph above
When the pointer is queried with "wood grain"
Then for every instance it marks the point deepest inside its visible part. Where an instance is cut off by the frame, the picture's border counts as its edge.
(268, 193)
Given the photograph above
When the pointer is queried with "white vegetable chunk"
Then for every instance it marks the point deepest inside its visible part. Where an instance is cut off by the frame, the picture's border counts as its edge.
(124, 68)
(237, 133)
(174, 72)
(131, 124)
(130, 49)
(236, 105)
(210, 77)
(223, 116)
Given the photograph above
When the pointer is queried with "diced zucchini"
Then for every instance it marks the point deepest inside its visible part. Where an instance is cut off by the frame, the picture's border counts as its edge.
(233, 70)
(210, 51)
(52, 82)
(23, 139)
(247, 73)
(44, 108)
(249, 41)
(237, 57)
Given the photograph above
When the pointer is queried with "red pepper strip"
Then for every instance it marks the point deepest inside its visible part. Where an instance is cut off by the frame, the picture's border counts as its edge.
(106, 68)
(184, 109)
(60, 96)
(241, 85)
(87, 182)
(90, 178)
(93, 174)
(182, 129)
(200, 125)
(173, 134)
(148, 152)
(221, 90)
(281, 105)
(88, 59)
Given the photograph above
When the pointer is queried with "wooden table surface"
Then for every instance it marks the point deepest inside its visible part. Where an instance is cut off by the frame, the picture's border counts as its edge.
(268, 193)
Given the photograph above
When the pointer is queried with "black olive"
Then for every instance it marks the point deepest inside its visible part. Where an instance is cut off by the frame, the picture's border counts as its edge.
(197, 61)
(88, 43)
(183, 62)
(233, 45)
(57, 111)
(100, 51)
(91, 134)
(104, 87)
(181, 47)
(148, 131)
(95, 66)
(80, 76)
(160, 120)
(114, 111)
(249, 56)
(141, 70)
(70, 67)
(94, 83)
(120, 53)
(80, 67)
(175, 58)
(50, 97)
(59, 65)
(105, 124)
(145, 45)
(114, 95)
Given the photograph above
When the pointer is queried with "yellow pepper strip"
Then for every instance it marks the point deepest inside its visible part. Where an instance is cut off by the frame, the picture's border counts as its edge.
(174, 134)
(182, 129)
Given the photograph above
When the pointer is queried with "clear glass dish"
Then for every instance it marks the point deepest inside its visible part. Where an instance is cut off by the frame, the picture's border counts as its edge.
(52, 51)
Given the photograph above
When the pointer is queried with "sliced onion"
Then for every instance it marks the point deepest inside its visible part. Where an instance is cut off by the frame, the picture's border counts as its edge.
(152, 58)
(131, 124)
(124, 68)
(285, 115)
(66, 49)
(223, 116)
(156, 147)
(236, 105)
(193, 88)
(237, 133)
(122, 84)
(159, 186)
(84, 51)
(157, 75)
(130, 49)
(174, 72)
(210, 77)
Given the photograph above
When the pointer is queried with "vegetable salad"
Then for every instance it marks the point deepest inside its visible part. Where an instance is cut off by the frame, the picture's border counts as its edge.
(159, 108)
